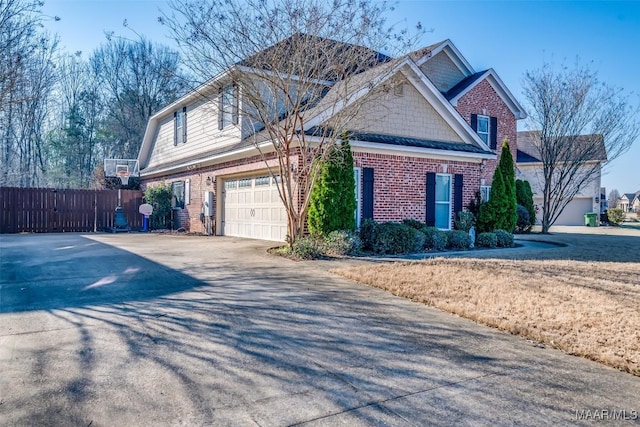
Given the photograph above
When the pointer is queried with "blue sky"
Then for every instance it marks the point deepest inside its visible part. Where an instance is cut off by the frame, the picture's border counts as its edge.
(510, 36)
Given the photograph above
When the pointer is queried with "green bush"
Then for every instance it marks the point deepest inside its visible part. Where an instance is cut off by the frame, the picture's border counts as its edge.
(395, 238)
(342, 242)
(414, 223)
(524, 197)
(465, 221)
(523, 224)
(615, 216)
(332, 206)
(487, 240)
(504, 239)
(458, 239)
(367, 233)
(435, 239)
(307, 247)
(159, 196)
(500, 211)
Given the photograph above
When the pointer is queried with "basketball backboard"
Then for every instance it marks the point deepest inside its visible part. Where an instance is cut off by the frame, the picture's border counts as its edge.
(121, 168)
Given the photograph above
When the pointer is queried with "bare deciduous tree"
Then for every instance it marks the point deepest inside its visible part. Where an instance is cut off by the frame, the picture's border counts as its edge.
(578, 122)
(612, 199)
(26, 81)
(138, 78)
(300, 70)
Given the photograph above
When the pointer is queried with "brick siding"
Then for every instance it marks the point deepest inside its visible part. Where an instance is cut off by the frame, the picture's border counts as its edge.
(484, 100)
(399, 190)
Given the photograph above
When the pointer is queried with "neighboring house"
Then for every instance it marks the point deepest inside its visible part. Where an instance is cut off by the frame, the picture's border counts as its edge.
(425, 158)
(588, 199)
(629, 202)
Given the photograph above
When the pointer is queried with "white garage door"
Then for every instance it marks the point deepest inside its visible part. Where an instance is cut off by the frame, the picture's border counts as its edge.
(252, 208)
(573, 214)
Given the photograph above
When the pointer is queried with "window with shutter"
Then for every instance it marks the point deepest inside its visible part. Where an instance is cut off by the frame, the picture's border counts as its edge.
(228, 106)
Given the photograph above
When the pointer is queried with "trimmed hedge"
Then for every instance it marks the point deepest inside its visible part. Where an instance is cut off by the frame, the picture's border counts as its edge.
(504, 238)
(487, 240)
(435, 240)
(458, 239)
(307, 247)
(342, 242)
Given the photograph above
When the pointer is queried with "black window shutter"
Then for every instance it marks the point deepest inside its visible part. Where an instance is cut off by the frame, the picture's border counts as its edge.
(236, 104)
(474, 122)
(367, 193)
(220, 112)
(457, 194)
(184, 125)
(493, 132)
(430, 218)
(175, 128)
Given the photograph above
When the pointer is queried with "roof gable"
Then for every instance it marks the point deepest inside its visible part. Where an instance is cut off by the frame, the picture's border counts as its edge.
(377, 77)
(466, 85)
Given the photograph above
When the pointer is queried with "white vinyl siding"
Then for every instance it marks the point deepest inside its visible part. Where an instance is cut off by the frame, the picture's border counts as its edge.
(202, 135)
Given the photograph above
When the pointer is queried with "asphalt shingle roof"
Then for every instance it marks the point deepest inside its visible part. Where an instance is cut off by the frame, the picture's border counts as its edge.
(463, 84)
(407, 141)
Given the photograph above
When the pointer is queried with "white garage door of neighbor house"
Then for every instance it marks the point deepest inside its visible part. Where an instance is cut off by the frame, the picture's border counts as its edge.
(573, 214)
(252, 208)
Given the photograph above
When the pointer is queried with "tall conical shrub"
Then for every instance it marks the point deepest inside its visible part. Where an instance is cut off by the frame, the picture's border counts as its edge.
(508, 221)
(333, 204)
(492, 211)
(524, 197)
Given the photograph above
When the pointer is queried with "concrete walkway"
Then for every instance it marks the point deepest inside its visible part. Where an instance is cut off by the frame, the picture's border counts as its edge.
(132, 329)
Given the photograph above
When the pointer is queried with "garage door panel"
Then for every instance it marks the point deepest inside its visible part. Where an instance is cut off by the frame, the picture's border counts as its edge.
(573, 213)
(252, 208)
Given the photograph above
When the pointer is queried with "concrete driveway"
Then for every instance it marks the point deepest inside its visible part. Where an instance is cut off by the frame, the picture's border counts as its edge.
(134, 329)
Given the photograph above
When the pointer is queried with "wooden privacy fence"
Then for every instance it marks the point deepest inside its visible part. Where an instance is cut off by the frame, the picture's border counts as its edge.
(49, 210)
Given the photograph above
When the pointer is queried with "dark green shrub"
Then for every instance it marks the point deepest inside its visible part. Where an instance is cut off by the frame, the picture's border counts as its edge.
(504, 239)
(395, 238)
(464, 221)
(159, 196)
(615, 216)
(342, 242)
(458, 239)
(474, 204)
(523, 225)
(487, 240)
(524, 197)
(333, 205)
(414, 223)
(500, 211)
(367, 233)
(307, 247)
(508, 221)
(435, 240)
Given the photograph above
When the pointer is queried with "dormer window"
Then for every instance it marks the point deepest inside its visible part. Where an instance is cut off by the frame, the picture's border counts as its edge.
(227, 106)
(180, 126)
(487, 128)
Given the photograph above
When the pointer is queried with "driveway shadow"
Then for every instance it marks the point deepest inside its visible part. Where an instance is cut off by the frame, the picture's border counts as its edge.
(268, 344)
(46, 272)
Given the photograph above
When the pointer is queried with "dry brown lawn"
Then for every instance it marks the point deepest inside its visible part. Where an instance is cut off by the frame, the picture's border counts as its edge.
(574, 302)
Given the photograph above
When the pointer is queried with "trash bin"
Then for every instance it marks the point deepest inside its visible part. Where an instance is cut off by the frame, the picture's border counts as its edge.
(590, 219)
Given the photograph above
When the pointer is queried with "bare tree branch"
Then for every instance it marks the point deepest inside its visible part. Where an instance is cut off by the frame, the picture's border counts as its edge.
(301, 69)
(580, 123)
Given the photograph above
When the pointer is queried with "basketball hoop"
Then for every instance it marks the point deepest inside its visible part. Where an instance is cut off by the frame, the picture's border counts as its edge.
(124, 177)
(121, 168)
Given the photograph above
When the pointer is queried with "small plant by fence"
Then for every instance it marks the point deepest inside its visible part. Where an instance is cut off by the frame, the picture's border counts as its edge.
(50, 210)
